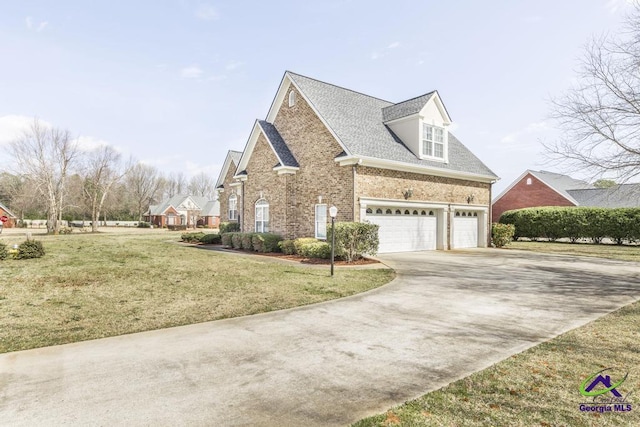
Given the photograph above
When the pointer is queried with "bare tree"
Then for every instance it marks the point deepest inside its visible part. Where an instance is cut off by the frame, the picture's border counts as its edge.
(103, 168)
(600, 116)
(202, 185)
(46, 155)
(19, 193)
(175, 183)
(143, 183)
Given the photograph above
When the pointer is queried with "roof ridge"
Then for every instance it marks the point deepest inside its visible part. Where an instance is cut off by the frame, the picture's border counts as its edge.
(339, 87)
(415, 97)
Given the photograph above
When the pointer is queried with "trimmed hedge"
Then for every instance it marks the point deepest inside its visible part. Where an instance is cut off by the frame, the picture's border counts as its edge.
(317, 249)
(227, 239)
(355, 239)
(619, 224)
(266, 242)
(4, 253)
(301, 241)
(287, 247)
(229, 227)
(192, 237)
(210, 239)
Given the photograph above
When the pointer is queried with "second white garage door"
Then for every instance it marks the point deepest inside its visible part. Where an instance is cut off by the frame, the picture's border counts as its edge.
(465, 232)
(404, 233)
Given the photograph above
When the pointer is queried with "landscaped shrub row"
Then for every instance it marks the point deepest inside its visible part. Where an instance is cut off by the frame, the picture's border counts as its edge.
(353, 240)
(200, 237)
(259, 242)
(229, 227)
(620, 224)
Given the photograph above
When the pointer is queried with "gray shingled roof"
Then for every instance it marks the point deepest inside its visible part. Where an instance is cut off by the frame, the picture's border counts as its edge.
(561, 183)
(405, 108)
(6, 209)
(278, 144)
(619, 196)
(358, 122)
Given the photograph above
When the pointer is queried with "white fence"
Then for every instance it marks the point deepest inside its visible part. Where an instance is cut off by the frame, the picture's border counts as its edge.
(42, 223)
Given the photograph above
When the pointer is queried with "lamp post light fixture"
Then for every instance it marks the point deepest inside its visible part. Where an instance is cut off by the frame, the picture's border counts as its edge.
(333, 212)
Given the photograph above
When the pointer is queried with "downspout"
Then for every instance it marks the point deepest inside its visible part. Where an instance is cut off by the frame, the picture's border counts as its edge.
(241, 216)
(355, 195)
(490, 219)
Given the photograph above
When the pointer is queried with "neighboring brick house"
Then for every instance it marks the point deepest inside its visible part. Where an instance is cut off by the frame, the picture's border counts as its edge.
(11, 218)
(542, 188)
(227, 188)
(184, 210)
(396, 165)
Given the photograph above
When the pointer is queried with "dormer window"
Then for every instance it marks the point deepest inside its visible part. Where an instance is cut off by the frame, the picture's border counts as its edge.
(433, 140)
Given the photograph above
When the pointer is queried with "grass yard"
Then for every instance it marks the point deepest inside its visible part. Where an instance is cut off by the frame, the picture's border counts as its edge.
(91, 286)
(540, 387)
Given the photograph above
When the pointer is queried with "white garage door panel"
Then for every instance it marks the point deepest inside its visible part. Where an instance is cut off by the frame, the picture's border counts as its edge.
(465, 233)
(405, 233)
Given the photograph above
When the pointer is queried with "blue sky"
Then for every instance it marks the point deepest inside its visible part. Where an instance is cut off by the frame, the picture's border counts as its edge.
(178, 83)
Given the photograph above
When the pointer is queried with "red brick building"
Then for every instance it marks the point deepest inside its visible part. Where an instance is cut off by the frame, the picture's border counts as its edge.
(538, 188)
(11, 218)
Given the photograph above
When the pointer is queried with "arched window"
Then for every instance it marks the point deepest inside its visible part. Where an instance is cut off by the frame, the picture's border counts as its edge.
(415, 212)
(475, 214)
(423, 212)
(464, 214)
(528, 181)
(406, 212)
(262, 216)
(379, 211)
(388, 212)
(233, 207)
(457, 213)
(398, 212)
(292, 98)
(430, 213)
(369, 210)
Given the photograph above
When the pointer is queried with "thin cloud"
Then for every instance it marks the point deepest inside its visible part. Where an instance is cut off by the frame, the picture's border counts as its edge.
(14, 126)
(380, 53)
(526, 133)
(393, 45)
(613, 6)
(31, 25)
(90, 143)
(206, 12)
(233, 65)
(192, 72)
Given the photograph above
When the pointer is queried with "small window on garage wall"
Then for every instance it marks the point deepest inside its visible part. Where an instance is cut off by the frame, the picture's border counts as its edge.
(388, 212)
(457, 213)
(369, 210)
(475, 214)
(430, 213)
(398, 212)
(406, 212)
(415, 212)
(423, 212)
(321, 220)
(379, 211)
(464, 214)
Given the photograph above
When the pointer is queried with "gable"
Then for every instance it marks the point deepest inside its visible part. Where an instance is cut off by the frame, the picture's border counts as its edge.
(285, 162)
(230, 163)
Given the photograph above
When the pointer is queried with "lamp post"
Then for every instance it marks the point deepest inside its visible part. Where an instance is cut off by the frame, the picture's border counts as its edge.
(333, 211)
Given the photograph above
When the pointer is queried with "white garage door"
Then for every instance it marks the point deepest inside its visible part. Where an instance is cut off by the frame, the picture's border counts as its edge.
(465, 231)
(404, 232)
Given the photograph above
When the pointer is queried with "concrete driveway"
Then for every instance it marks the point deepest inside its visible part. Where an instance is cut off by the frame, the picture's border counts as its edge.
(444, 317)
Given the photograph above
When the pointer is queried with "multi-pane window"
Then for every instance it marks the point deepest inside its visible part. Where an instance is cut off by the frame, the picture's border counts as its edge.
(262, 216)
(432, 141)
(321, 221)
(233, 207)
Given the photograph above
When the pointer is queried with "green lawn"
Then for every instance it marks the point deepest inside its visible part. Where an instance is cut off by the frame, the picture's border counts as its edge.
(540, 387)
(98, 285)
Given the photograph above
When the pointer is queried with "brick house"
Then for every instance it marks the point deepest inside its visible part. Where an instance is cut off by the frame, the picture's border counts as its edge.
(11, 218)
(542, 188)
(229, 201)
(184, 210)
(396, 165)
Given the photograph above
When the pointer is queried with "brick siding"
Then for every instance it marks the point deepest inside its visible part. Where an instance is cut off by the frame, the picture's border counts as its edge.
(522, 195)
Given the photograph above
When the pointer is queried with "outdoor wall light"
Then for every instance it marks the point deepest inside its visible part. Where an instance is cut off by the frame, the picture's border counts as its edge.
(471, 198)
(407, 193)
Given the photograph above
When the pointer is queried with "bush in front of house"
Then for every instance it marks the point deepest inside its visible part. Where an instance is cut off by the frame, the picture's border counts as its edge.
(144, 224)
(4, 253)
(227, 239)
(229, 227)
(300, 242)
(210, 239)
(236, 240)
(266, 242)
(247, 241)
(30, 249)
(191, 237)
(502, 234)
(355, 239)
(317, 249)
(287, 247)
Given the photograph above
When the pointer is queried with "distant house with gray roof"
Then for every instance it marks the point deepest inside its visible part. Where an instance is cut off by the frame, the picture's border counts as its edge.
(543, 188)
(187, 210)
(5, 213)
(393, 164)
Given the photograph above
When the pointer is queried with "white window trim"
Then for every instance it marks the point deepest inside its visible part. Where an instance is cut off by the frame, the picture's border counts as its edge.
(319, 222)
(292, 98)
(445, 143)
(233, 213)
(264, 223)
